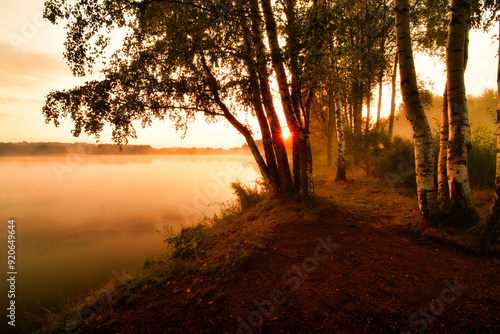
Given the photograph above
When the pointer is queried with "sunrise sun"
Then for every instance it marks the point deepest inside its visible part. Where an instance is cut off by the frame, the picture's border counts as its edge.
(286, 134)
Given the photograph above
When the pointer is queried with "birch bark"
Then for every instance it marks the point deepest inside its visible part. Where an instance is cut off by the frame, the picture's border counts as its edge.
(462, 209)
(424, 150)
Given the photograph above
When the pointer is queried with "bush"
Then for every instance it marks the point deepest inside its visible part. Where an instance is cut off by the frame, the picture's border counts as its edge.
(396, 164)
(248, 197)
(188, 243)
(482, 158)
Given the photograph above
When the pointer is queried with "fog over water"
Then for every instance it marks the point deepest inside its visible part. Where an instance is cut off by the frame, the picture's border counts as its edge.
(78, 218)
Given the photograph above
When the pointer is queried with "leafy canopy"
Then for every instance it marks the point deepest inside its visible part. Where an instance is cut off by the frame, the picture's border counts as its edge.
(178, 58)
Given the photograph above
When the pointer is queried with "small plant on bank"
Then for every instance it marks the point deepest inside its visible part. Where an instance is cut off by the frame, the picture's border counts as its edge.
(248, 197)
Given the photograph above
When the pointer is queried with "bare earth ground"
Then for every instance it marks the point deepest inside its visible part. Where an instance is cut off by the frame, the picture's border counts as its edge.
(347, 263)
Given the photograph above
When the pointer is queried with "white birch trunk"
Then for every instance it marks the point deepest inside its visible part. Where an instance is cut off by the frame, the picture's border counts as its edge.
(393, 96)
(341, 162)
(379, 105)
(443, 197)
(424, 150)
(462, 210)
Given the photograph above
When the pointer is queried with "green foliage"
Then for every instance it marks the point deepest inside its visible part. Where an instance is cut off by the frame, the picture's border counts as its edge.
(371, 146)
(396, 164)
(192, 242)
(426, 97)
(217, 243)
(430, 20)
(175, 55)
(248, 197)
(482, 157)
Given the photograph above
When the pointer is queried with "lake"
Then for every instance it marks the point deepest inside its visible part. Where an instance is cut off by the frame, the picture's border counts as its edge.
(80, 220)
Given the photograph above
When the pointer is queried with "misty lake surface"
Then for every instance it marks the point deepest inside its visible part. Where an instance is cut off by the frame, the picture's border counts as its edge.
(80, 218)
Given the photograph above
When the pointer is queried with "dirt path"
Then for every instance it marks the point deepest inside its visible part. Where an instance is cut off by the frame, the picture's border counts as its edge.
(346, 264)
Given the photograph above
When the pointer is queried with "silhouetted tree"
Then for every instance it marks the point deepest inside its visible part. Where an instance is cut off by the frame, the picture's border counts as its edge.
(182, 58)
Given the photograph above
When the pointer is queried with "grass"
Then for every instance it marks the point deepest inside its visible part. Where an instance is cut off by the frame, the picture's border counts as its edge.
(213, 249)
(215, 245)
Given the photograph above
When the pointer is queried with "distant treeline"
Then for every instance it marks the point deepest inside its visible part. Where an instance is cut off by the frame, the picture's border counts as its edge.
(34, 149)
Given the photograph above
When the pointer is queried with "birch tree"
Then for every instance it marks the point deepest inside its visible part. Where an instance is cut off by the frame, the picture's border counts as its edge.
(462, 209)
(443, 198)
(424, 150)
(393, 95)
(341, 161)
(181, 59)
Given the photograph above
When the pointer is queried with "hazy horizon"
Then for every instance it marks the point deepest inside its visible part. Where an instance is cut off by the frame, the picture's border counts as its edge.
(75, 227)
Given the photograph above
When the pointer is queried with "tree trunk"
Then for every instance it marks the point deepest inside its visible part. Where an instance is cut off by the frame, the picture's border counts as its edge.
(358, 109)
(301, 142)
(443, 197)
(379, 105)
(267, 140)
(462, 209)
(424, 150)
(368, 109)
(329, 150)
(341, 162)
(489, 230)
(351, 118)
(267, 99)
(306, 163)
(330, 126)
(393, 96)
(358, 122)
(306, 170)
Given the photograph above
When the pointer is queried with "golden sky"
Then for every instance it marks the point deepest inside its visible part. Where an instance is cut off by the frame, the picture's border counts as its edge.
(31, 64)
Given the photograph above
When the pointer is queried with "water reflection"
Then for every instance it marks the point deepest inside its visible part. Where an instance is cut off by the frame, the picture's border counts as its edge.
(80, 217)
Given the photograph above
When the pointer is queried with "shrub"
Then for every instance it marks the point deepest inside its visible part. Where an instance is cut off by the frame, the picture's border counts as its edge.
(396, 164)
(248, 197)
(188, 243)
(482, 158)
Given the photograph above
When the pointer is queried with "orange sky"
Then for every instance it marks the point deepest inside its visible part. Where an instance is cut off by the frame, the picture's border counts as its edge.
(31, 65)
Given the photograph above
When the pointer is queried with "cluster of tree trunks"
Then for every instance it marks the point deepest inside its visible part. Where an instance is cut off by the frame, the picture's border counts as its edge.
(226, 55)
(454, 194)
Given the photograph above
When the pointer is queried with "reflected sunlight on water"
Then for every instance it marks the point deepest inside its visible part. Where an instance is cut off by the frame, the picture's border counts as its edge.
(80, 217)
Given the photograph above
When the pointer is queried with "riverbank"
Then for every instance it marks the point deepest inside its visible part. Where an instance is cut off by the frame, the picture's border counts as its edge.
(354, 260)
